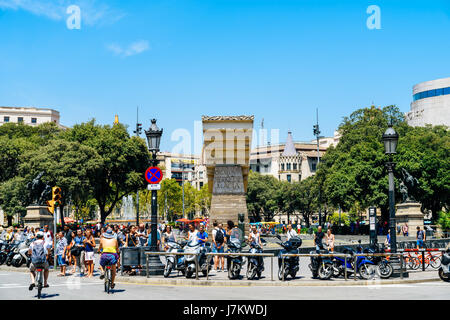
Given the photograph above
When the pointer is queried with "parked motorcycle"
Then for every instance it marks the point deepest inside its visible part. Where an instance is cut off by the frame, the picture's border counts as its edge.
(12, 250)
(3, 253)
(321, 267)
(194, 247)
(444, 269)
(22, 255)
(255, 265)
(234, 262)
(383, 264)
(174, 262)
(364, 266)
(291, 264)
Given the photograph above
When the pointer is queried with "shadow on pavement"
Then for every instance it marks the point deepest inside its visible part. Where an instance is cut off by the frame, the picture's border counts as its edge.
(47, 296)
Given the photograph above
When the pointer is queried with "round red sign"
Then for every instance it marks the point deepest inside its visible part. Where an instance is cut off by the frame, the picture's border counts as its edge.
(153, 175)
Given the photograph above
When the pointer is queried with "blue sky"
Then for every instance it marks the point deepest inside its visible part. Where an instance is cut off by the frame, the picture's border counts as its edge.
(178, 60)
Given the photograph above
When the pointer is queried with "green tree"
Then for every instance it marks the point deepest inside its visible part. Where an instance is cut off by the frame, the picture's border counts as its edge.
(425, 153)
(13, 198)
(203, 200)
(261, 196)
(68, 165)
(169, 198)
(124, 160)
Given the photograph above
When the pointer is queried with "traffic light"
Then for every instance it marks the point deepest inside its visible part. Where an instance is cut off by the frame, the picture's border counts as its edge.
(316, 130)
(138, 130)
(56, 199)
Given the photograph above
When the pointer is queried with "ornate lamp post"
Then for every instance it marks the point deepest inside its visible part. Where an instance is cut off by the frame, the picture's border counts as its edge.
(390, 139)
(153, 139)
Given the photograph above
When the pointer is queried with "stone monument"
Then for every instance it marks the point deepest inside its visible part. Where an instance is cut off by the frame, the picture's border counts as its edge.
(37, 213)
(226, 153)
(409, 210)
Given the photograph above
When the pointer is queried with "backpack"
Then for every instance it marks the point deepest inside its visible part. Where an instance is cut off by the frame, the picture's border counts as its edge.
(38, 255)
(219, 236)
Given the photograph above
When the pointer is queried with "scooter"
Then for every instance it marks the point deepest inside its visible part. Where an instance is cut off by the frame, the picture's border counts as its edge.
(255, 265)
(201, 250)
(291, 264)
(3, 253)
(383, 264)
(179, 265)
(321, 267)
(444, 270)
(364, 267)
(12, 251)
(22, 255)
(234, 262)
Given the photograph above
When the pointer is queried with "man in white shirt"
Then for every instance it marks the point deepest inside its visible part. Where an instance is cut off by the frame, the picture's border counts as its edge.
(291, 232)
(48, 239)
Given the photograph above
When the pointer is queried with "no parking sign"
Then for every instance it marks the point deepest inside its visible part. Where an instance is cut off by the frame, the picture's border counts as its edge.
(153, 175)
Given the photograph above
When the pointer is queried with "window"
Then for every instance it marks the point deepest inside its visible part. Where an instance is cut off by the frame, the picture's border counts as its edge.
(33, 120)
(20, 119)
(288, 166)
(313, 166)
(6, 119)
(295, 166)
(288, 178)
(431, 93)
(282, 167)
(201, 184)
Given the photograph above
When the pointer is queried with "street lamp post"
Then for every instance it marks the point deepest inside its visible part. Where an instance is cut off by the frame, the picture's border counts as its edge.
(153, 139)
(390, 139)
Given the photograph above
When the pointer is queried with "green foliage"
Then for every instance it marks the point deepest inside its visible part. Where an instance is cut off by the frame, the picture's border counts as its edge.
(13, 196)
(262, 197)
(170, 198)
(334, 218)
(444, 220)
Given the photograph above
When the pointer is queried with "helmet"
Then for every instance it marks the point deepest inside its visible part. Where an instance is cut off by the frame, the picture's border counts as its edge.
(39, 234)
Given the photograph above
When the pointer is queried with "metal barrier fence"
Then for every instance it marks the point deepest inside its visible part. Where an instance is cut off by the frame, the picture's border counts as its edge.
(402, 264)
(403, 251)
(316, 255)
(243, 254)
(172, 254)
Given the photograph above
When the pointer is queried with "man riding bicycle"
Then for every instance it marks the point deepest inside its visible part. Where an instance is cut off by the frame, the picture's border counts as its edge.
(39, 255)
(109, 248)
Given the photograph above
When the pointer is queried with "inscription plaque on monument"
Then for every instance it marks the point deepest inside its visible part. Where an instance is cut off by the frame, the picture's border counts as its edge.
(228, 180)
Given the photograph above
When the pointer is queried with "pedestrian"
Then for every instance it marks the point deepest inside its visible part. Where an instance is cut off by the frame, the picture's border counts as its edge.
(291, 232)
(132, 238)
(192, 233)
(78, 252)
(387, 242)
(318, 238)
(158, 239)
(330, 240)
(61, 249)
(48, 237)
(142, 236)
(421, 237)
(89, 245)
(218, 239)
(168, 236)
(405, 229)
(202, 235)
(255, 237)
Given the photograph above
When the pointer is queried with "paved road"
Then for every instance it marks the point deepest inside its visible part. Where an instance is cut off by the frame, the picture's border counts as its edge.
(14, 285)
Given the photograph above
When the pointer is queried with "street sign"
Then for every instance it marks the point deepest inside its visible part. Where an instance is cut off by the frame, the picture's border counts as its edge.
(373, 224)
(154, 187)
(153, 175)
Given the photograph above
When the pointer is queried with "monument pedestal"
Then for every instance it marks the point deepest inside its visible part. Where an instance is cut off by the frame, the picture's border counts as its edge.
(37, 217)
(409, 212)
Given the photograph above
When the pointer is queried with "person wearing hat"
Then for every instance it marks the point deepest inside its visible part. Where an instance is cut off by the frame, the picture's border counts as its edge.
(37, 247)
(109, 248)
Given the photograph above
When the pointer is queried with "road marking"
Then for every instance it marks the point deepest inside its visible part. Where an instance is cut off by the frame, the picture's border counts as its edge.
(15, 286)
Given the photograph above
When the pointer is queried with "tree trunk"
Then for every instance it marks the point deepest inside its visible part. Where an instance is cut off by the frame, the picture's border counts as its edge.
(9, 219)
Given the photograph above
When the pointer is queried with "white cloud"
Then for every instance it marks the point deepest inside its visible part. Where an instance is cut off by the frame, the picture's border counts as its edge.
(92, 11)
(134, 48)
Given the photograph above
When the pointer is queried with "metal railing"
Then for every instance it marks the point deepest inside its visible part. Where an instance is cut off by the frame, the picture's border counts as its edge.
(345, 256)
(242, 254)
(383, 254)
(172, 254)
(422, 251)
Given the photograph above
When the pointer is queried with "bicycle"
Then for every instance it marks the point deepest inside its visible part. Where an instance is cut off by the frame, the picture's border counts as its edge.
(108, 281)
(38, 281)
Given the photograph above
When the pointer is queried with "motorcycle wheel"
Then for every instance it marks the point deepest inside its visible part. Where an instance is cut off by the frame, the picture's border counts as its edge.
(251, 271)
(2, 258)
(367, 271)
(8, 262)
(205, 272)
(325, 271)
(386, 269)
(17, 263)
(233, 270)
(293, 274)
(189, 274)
(443, 276)
(337, 271)
(282, 272)
(167, 269)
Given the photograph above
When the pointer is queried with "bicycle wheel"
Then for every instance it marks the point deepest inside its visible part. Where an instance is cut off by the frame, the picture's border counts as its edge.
(414, 263)
(107, 280)
(435, 262)
(39, 286)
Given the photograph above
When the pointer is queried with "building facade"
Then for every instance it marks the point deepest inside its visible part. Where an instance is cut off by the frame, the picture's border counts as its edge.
(28, 115)
(431, 104)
